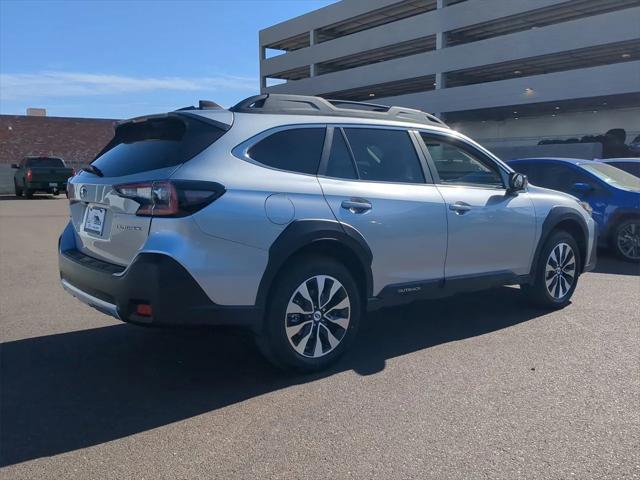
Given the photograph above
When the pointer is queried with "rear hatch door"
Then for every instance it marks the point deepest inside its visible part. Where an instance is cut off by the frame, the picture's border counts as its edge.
(143, 150)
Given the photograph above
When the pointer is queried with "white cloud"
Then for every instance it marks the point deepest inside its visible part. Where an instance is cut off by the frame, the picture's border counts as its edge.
(73, 84)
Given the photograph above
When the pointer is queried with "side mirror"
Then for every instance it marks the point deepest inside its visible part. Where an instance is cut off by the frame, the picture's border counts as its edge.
(581, 187)
(517, 182)
(14, 165)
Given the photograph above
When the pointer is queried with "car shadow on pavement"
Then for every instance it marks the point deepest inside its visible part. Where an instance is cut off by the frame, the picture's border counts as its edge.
(35, 197)
(609, 263)
(69, 391)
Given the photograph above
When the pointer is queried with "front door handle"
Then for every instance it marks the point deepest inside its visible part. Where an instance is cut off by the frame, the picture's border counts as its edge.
(356, 205)
(460, 207)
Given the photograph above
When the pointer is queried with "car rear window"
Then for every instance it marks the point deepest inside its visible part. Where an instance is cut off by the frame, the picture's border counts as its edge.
(44, 162)
(155, 143)
(295, 149)
(613, 176)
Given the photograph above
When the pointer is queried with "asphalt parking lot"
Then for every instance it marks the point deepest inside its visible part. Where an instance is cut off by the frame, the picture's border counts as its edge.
(476, 386)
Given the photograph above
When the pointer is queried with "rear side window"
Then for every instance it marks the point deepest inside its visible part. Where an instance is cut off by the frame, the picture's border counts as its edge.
(44, 162)
(154, 144)
(629, 167)
(385, 155)
(296, 150)
(340, 164)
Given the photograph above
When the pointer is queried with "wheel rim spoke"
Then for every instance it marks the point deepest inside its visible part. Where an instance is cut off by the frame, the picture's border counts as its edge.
(317, 316)
(295, 330)
(314, 293)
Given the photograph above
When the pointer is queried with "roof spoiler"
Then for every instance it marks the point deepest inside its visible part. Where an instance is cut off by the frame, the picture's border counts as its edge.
(202, 105)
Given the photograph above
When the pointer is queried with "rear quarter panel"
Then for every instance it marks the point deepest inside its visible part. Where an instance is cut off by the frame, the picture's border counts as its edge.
(240, 215)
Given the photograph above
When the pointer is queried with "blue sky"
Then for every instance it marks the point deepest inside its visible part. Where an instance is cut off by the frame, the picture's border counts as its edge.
(120, 58)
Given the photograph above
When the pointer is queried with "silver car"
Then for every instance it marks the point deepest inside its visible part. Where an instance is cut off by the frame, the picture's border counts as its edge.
(293, 216)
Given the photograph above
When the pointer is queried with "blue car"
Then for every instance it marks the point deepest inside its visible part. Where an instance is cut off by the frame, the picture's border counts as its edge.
(614, 196)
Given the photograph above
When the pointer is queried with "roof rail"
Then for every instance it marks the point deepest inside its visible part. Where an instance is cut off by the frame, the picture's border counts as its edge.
(310, 105)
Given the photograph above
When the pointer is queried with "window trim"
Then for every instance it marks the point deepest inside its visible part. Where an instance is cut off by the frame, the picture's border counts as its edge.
(428, 179)
(333, 130)
(241, 150)
(465, 145)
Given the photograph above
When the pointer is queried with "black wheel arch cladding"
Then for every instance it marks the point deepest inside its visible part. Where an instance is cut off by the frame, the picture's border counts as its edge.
(557, 217)
(305, 234)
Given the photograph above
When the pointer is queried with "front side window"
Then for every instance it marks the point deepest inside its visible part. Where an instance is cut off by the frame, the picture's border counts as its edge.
(457, 166)
(385, 155)
(560, 177)
(525, 169)
(296, 150)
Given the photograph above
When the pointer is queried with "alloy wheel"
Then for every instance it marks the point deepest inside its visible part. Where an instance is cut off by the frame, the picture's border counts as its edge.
(629, 241)
(560, 270)
(317, 316)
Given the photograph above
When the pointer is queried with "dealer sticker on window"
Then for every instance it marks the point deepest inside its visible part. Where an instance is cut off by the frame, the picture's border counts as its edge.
(95, 220)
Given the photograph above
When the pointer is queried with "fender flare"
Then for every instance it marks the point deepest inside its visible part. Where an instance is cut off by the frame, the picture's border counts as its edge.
(615, 218)
(555, 216)
(302, 233)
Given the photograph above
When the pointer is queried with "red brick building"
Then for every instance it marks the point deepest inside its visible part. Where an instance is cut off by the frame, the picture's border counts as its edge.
(76, 140)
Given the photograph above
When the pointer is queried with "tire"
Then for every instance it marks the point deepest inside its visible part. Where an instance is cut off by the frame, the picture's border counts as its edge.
(26, 193)
(553, 284)
(626, 240)
(17, 189)
(298, 333)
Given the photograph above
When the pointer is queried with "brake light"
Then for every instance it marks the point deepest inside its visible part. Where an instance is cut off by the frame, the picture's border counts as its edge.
(167, 198)
(29, 175)
(73, 172)
(144, 310)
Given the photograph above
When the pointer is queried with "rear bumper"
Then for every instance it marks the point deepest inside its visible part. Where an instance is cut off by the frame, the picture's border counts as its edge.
(45, 187)
(154, 279)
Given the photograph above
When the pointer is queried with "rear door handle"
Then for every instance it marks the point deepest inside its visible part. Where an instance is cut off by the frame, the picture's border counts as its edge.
(460, 207)
(356, 205)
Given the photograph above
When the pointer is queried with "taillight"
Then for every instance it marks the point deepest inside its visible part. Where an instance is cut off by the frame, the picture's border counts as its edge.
(73, 172)
(29, 175)
(167, 198)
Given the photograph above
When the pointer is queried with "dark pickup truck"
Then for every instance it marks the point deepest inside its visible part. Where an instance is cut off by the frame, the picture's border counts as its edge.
(41, 174)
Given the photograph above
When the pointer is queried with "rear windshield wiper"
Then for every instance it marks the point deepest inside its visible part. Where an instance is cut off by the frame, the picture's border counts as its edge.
(93, 169)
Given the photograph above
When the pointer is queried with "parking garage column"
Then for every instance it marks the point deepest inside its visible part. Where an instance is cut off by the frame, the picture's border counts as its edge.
(312, 41)
(263, 79)
(441, 42)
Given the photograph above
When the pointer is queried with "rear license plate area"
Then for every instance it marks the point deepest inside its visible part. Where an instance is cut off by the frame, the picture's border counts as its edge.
(94, 221)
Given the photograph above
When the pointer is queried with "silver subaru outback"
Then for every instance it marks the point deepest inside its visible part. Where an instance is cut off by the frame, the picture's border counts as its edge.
(293, 216)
